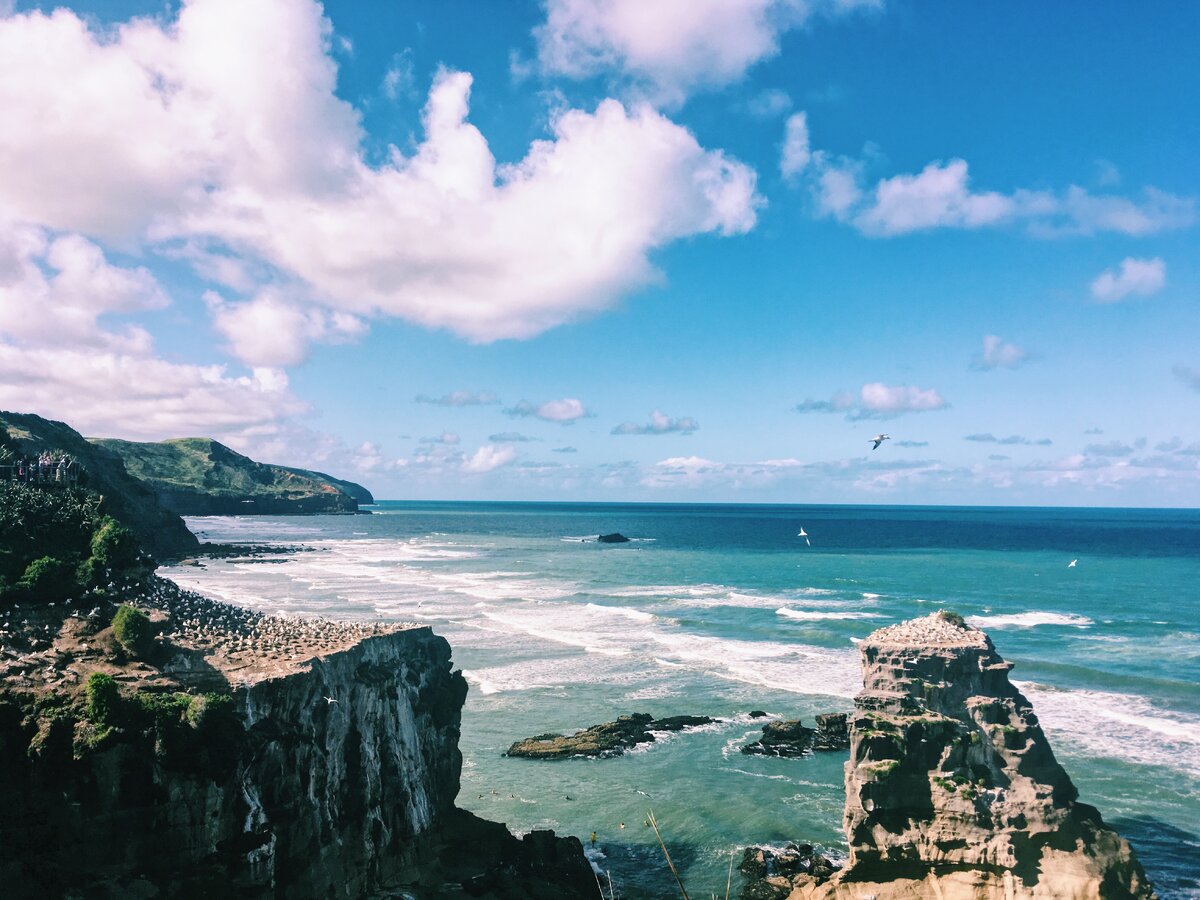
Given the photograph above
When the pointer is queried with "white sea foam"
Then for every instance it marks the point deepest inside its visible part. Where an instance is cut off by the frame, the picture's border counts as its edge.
(818, 615)
(636, 614)
(1122, 726)
(1029, 620)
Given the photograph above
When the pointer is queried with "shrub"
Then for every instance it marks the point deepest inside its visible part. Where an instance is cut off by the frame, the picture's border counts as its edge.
(48, 579)
(113, 545)
(132, 629)
(103, 699)
(949, 615)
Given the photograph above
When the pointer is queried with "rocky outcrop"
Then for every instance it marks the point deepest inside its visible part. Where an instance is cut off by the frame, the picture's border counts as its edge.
(952, 790)
(201, 477)
(615, 538)
(792, 738)
(337, 778)
(607, 739)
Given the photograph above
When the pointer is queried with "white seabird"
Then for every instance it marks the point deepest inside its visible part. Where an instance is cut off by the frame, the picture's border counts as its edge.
(879, 439)
(1071, 564)
(804, 534)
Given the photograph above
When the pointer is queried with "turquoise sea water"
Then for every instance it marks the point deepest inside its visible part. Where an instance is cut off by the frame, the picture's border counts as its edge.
(719, 609)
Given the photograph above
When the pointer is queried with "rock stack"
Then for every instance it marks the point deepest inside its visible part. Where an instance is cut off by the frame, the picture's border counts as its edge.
(952, 790)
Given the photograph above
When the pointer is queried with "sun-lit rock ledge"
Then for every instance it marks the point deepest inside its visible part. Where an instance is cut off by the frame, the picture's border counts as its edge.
(952, 790)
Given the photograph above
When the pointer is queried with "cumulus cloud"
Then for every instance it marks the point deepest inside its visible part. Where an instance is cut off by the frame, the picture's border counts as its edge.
(941, 196)
(877, 401)
(196, 137)
(999, 354)
(796, 152)
(399, 80)
(660, 423)
(61, 354)
(489, 457)
(459, 398)
(1011, 440)
(511, 437)
(270, 330)
(564, 411)
(670, 48)
(1140, 277)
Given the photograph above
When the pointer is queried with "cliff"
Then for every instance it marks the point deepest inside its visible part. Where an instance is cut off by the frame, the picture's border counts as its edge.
(952, 790)
(323, 763)
(201, 477)
(159, 531)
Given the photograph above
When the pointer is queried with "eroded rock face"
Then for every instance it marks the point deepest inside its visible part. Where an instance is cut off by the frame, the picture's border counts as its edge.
(952, 789)
(792, 738)
(341, 781)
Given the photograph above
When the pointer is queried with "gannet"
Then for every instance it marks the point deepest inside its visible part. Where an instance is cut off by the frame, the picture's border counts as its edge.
(879, 439)
(1071, 564)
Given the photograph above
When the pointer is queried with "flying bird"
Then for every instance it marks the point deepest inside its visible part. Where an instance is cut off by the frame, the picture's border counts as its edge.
(804, 534)
(330, 700)
(1071, 564)
(879, 439)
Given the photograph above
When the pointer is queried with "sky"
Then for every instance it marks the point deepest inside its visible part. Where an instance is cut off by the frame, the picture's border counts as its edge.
(681, 250)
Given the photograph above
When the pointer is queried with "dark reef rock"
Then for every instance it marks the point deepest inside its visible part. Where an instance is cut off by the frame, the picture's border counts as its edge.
(615, 538)
(607, 739)
(791, 738)
(770, 873)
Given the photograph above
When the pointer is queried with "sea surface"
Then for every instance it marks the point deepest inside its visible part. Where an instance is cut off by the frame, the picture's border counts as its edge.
(722, 609)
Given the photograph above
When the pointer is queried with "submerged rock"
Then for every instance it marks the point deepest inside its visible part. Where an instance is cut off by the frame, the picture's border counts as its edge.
(791, 738)
(607, 739)
(952, 790)
(615, 538)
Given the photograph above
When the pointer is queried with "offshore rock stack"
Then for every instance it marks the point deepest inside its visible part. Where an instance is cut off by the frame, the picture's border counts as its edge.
(952, 790)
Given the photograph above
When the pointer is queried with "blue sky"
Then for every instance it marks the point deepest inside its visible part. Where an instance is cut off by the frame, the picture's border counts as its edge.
(613, 250)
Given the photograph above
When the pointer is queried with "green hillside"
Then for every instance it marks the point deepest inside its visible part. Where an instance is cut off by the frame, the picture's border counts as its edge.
(161, 532)
(199, 476)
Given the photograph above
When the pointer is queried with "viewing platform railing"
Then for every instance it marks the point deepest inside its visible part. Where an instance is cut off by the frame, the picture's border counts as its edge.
(50, 472)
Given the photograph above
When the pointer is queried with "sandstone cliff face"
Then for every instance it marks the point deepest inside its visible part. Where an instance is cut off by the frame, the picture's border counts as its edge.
(319, 799)
(952, 789)
(338, 779)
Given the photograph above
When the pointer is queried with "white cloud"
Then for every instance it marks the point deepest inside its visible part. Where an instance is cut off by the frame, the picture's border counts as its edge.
(203, 140)
(399, 80)
(1141, 277)
(999, 354)
(1188, 376)
(769, 103)
(460, 398)
(1011, 440)
(63, 309)
(447, 438)
(670, 48)
(877, 400)
(271, 331)
(660, 423)
(61, 356)
(565, 411)
(796, 153)
(489, 457)
(941, 196)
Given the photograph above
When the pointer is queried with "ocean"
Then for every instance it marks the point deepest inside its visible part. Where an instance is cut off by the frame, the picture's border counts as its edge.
(719, 610)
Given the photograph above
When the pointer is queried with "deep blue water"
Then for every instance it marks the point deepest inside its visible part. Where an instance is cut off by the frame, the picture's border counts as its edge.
(720, 609)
